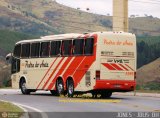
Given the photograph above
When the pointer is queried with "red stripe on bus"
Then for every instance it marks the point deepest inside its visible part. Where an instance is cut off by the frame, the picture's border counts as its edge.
(59, 72)
(83, 68)
(46, 72)
(129, 67)
(52, 73)
(124, 67)
(73, 66)
(109, 66)
(69, 70)
(116, 66)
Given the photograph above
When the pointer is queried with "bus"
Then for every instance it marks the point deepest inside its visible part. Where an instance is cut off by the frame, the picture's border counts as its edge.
(96, 63)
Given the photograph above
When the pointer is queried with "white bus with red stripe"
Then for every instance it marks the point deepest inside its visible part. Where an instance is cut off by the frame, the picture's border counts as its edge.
(99, 63)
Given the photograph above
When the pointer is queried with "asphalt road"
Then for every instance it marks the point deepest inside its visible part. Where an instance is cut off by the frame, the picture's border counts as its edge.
(43, 101)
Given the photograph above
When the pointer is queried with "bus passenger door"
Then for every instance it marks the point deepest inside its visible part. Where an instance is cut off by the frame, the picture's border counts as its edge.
(15, 66)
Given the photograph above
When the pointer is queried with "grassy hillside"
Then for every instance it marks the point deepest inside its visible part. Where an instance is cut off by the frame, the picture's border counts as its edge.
(148, 76)
(17, 17)
(7, 42)
(148, 49)
(145, 26)
(150, 40)
(9, 38)
(42, 17)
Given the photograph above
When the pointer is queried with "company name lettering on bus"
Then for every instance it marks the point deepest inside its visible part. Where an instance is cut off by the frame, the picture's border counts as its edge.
(106, 53)
(117, 61)
(36, 65)
(124, 43)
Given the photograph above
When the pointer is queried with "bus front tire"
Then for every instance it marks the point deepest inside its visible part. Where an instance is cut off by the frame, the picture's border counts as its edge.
(70, 88)
(23, 87)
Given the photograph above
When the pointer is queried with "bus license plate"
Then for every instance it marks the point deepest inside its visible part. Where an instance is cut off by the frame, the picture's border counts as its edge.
(117, 86)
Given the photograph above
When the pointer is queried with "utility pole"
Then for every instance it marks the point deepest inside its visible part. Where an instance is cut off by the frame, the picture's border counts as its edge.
(120, 15)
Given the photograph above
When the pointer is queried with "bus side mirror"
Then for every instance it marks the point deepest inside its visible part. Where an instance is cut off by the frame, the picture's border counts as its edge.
(9, 57)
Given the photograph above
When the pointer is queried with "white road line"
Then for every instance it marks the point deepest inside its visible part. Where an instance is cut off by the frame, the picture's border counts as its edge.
(25, 115)
(44, 115)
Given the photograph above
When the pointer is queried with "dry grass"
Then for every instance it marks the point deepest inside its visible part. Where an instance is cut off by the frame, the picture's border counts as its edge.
(8, 107)
(9, 110)
(149, 73)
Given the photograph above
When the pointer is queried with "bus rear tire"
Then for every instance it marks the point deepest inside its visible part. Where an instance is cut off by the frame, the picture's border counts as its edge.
(70, 88)
(106, 94)
(23, 87)
(59, 87)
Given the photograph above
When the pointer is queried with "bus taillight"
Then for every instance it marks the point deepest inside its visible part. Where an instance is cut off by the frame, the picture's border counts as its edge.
(97, 75)
(135, 75)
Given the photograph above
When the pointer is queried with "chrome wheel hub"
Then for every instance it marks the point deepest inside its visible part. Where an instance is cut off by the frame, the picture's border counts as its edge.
(24, 87)
(60, 88)
(70, 89)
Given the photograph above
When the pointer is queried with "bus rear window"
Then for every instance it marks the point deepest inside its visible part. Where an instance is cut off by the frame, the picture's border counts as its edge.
(35, 49)
(78, 46)
(55, 48)
(25, 50)
(89, 42)
(45, 48)
(17, 51)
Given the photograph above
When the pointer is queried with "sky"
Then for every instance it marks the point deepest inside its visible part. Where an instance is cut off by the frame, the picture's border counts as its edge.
(104, 7)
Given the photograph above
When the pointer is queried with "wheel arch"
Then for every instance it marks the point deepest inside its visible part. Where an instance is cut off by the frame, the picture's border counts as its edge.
(60, 77)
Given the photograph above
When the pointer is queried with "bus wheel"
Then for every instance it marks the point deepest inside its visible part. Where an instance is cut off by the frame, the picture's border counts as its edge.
(70, 88)
(23, 87)
(94, 95)
(106, 94)
(59, 87)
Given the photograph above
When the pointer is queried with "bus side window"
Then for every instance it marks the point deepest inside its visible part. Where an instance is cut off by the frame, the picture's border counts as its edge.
(89, 42)
(25, 50)
(45, 48)
(78, 46)
(35, 49)
(55, 48)
(17, 51)
(67, 46)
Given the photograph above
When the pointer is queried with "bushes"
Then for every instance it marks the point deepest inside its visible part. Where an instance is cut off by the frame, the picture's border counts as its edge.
(152, 86)
(106, 23)
(9, 38)
(148, 50)
(148, 86)
(5, 78)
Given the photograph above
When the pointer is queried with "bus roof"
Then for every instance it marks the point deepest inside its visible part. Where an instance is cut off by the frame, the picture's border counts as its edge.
(52, 37)
(68, 36)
